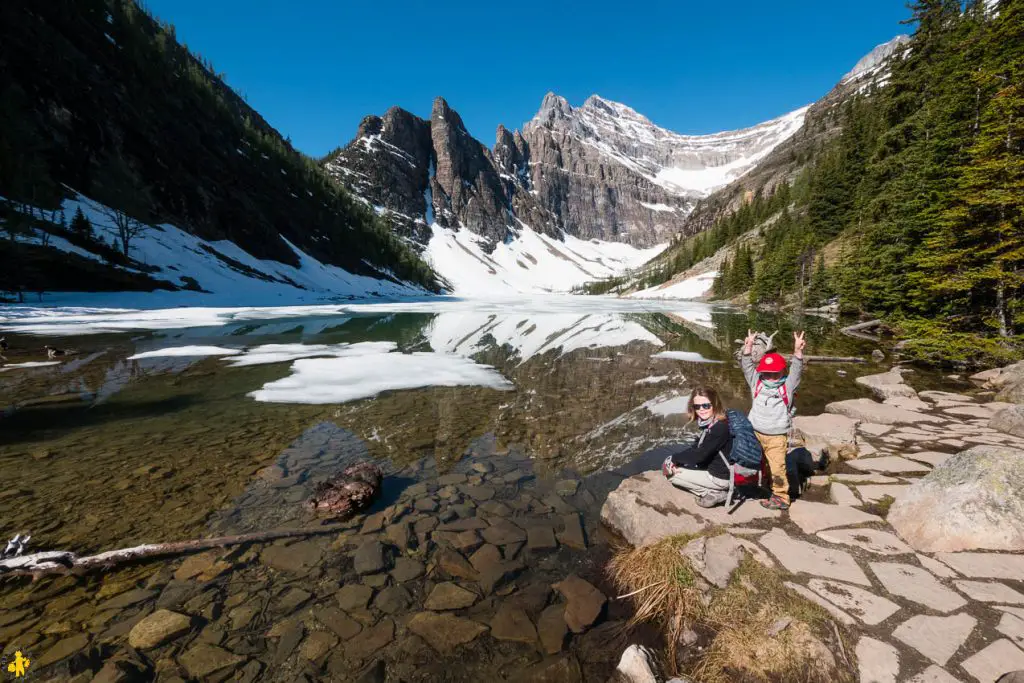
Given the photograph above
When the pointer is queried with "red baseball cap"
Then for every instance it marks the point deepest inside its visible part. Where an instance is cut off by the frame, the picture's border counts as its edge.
(772, 362)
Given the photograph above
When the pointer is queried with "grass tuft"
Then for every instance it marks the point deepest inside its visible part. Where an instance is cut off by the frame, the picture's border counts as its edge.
(741, 643)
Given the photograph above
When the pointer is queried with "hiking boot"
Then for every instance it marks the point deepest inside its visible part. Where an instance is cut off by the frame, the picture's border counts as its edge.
(775, 503)
(710, 500)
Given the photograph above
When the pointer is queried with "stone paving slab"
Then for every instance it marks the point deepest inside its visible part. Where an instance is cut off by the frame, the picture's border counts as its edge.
(871, 411)
(908, 402)
(969, 411)
(841, 494)
(985, 591)
(1016, 611)
(934, 674)
(865, 449)
(868, 607)
(985, 565)
(879, 662)
(945, 396)
(874, 428)
(936, 567)
(812, 517)
(995, 660)
(840, 616)
(937, 638)
(865, 478)
(889, 464)
(873, 493)
(932, 458)
(1012, 627)
(914, 583)
(871, 540)
(799, 556)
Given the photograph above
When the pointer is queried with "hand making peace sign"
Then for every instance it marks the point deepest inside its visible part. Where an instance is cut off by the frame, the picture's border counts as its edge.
(798, 344)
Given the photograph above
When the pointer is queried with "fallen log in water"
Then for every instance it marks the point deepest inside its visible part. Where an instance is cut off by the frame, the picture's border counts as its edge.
(835, 359)
(64, 562)
(860, 327)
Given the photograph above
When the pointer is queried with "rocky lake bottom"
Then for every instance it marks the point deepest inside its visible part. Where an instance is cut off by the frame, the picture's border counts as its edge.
(483, 558)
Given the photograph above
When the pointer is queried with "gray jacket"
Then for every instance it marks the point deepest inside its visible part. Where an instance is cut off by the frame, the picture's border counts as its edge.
(768, 412)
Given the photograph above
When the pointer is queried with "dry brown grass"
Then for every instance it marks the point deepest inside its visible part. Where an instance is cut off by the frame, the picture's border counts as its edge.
(738, 619)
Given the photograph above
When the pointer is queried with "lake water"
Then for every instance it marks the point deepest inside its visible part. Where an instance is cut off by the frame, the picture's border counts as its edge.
(181, 424)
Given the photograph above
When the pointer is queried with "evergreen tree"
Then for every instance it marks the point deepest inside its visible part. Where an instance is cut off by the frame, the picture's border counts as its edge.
(720, 288)
(80, 225)
(975, 260)
(819, 291)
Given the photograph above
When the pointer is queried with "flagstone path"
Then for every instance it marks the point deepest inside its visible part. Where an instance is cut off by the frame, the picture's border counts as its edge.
(918, 618)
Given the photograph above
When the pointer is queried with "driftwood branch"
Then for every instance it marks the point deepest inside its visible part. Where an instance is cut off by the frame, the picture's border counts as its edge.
(63, 562)
(835, 359)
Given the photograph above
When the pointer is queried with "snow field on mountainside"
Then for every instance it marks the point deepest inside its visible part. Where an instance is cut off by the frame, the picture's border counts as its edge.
(690, 288)
(177, 254)
(530, 263)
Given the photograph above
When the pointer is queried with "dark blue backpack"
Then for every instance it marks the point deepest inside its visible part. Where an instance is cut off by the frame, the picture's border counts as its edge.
(746, 449)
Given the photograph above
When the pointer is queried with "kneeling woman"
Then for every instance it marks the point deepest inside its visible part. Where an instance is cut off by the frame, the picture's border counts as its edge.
(698, 468)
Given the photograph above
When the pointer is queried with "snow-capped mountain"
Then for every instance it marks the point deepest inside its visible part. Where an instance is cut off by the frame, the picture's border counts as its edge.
(583, 193)
(609, 172)
(870, 63)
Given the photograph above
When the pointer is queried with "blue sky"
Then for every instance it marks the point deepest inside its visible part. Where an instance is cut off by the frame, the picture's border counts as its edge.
(314, 68)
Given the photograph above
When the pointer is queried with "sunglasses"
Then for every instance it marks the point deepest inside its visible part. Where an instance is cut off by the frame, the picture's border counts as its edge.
(701, 406)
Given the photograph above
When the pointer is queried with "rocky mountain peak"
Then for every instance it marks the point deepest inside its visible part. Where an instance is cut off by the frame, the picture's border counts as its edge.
(553, 107)
(874, 59)
(370, 125)
(596, 103)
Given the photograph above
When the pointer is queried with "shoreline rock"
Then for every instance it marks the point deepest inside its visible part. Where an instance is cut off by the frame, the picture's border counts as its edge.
(972, 501)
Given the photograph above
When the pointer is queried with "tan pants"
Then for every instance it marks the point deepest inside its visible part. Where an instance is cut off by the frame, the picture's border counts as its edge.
(775, 446)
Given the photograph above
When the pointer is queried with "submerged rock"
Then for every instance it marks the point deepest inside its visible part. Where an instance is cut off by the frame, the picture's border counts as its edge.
(158, 628)
(583, 602)
(444, 632)
(349, 492)
(972, 501)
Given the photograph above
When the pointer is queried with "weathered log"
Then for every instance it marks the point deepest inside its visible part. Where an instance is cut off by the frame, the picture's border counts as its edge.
(835, 359)
(63, 562)
(859, 327)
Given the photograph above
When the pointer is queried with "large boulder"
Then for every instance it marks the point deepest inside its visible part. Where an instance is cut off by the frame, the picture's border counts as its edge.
(866, 410)
(836, 434)
(1012, 392)
(1009, 420)
(972, 501)
(887, 385)
(997, 378)
(1008, 381)
(646, 508)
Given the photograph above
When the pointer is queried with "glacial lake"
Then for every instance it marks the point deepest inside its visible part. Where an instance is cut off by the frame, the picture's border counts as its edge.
(188, 423)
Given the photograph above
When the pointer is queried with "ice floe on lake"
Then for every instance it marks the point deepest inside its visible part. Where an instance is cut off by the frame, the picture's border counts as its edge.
(30, 364)
(186, 352)
(368, 369)
(689, 356)
(282, 353)
(67, 321)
